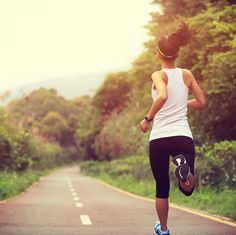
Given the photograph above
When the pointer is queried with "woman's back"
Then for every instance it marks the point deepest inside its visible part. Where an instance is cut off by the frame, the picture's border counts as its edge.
(171, 120)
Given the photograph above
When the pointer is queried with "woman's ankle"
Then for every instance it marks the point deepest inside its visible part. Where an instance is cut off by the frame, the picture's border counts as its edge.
(164, 228)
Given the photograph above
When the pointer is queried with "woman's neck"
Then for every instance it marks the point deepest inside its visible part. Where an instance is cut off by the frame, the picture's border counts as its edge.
(168, 65)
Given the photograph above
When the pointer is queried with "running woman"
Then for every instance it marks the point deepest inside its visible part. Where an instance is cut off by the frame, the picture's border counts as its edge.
(170, 134)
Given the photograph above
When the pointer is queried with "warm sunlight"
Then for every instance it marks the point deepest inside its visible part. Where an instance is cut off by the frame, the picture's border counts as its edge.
(53, 38)
(117, 117)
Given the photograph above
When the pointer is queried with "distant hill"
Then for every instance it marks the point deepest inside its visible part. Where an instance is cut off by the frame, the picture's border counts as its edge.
(69, 87)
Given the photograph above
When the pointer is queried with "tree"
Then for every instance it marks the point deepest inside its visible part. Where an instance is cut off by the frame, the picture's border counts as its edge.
(53, 125)
(113, 94)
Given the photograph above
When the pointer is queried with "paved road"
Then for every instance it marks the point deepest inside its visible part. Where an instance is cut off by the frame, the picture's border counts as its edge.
(67, 203)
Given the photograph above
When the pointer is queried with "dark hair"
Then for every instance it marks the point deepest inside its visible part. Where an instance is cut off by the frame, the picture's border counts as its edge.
(169, 45)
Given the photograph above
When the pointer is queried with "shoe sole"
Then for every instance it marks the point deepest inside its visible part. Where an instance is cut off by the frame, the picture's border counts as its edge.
(182, 172)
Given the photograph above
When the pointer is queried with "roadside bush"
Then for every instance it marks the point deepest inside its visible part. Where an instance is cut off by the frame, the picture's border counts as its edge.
(5, 143)
(5, 157)
(120, 136)
(12, 183)
(216, 165)
(46, 155)
(134, 166)
(23, 150)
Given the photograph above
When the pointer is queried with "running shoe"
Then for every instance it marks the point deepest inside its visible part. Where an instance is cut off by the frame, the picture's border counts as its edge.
(157, 230)
(182, 170)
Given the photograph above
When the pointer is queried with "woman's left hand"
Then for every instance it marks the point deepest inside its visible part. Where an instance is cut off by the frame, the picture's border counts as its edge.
(144, 125)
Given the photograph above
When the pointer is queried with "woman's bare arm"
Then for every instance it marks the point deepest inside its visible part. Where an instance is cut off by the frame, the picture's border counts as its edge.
(160, 85)
(162, 96)
(199, 102)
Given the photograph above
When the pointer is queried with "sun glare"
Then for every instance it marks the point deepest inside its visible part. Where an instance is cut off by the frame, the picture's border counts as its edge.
(50, 38)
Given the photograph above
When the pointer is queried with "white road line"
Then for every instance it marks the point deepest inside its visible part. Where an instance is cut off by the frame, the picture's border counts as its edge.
(79, 204)
(74, 194)
(76, 198)
(72, 190)
(85, 220)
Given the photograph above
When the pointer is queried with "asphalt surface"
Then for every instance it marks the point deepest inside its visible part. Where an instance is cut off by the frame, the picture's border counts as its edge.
(67, 203)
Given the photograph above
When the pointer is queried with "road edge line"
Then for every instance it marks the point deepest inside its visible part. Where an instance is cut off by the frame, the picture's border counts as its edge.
(207, 216)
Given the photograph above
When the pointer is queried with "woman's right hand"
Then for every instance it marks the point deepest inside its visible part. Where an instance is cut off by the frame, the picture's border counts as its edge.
(144, 125)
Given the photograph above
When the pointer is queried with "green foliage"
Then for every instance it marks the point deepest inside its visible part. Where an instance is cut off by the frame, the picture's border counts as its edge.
(20, 150)
(23, 150)
(221, 90)
(113, 94)
(53, 125)
(89, 126)
(132, 166)
(206, 199)
(216, 165)
(5, 142)
(47, 114)
(47, 155)
(5, 157)
(12, 183)
(120, 136)
(37, 104)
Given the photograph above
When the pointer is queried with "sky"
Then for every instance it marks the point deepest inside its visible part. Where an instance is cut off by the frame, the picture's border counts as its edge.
(44, 39)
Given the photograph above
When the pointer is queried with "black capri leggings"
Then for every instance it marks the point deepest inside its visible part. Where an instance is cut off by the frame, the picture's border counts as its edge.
(160, 151)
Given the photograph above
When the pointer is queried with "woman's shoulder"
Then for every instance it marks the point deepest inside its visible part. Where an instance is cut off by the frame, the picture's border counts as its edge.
(159, 76)
(187, 72)
(156, 73)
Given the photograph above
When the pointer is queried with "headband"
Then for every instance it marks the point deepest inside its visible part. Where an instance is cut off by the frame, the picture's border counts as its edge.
(168, 56)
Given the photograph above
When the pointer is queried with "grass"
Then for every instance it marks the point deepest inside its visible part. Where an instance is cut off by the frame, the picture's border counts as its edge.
(222, 203)
(116, 173)
(12, 183)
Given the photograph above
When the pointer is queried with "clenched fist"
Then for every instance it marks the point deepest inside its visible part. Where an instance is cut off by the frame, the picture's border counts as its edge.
(144, 125)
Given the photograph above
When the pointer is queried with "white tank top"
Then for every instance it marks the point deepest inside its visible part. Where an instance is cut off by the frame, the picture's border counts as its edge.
(171, 120)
